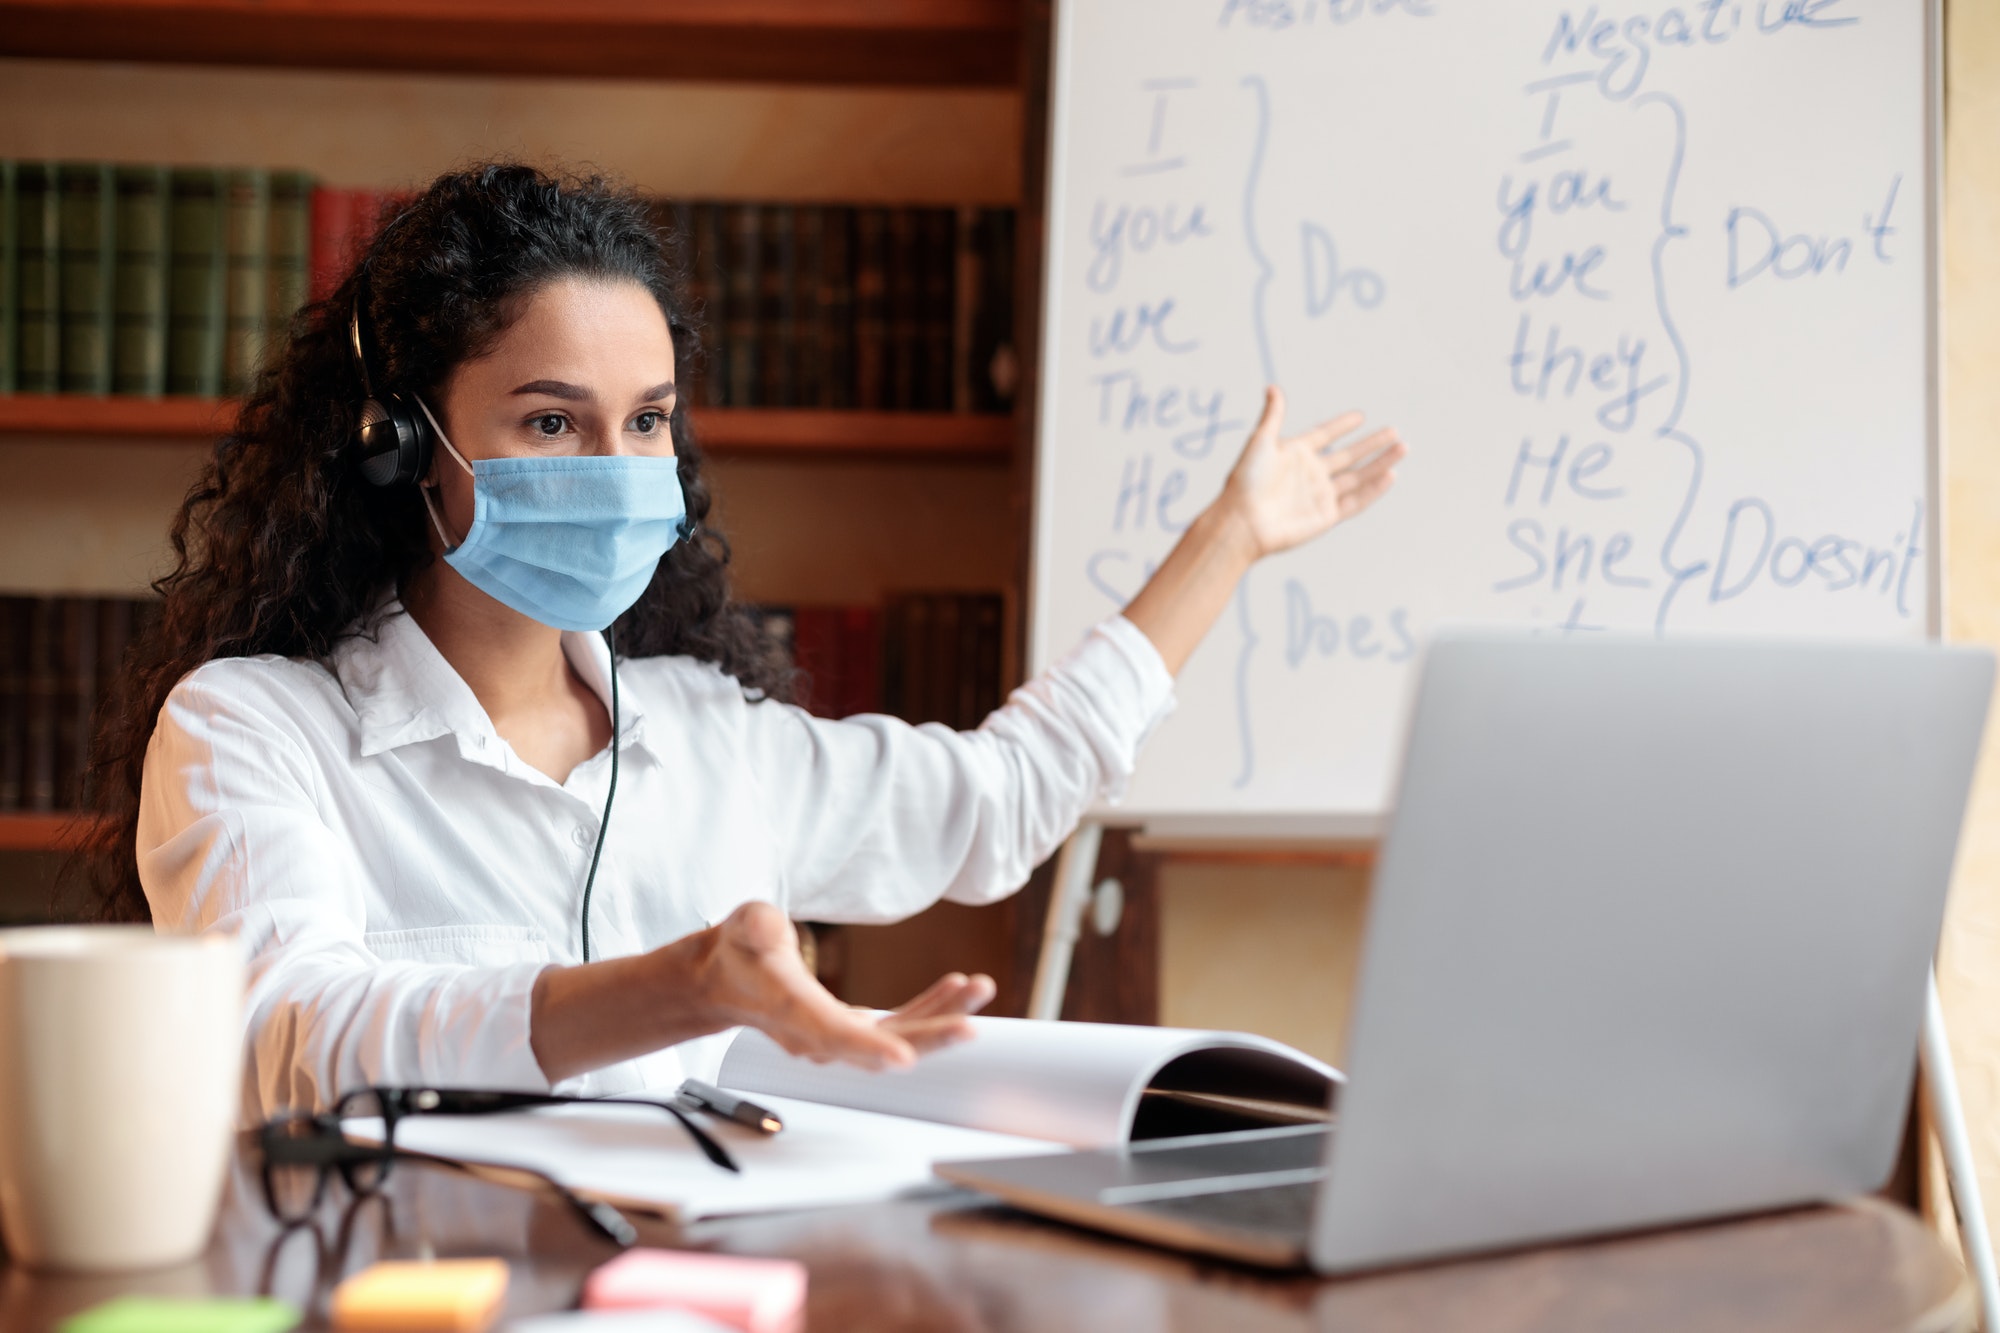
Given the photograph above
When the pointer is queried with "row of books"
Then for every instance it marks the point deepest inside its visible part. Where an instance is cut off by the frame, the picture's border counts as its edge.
(810, 305)
(145, 280)
(926, 657)
(58, 657)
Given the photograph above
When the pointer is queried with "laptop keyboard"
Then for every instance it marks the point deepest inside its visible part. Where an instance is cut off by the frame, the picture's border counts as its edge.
(1284, 1211)
(1262, 1182)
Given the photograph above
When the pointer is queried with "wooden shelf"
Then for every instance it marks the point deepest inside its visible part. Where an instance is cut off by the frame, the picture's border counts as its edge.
(40, 832)
(728, 431)
(954, 43)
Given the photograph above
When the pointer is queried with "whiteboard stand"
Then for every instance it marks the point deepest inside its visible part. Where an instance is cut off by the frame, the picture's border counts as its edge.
(1068, 901)
(1948, 1118)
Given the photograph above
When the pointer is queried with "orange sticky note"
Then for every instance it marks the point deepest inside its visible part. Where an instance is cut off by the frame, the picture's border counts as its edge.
(441, 1296)
(755, 1295)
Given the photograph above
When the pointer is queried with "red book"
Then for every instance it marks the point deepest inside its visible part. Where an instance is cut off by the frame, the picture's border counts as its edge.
(861, 660)
(816, 652)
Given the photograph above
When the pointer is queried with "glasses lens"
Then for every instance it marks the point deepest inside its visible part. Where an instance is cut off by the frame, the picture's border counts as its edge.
(294, 1166)
(367, 1125)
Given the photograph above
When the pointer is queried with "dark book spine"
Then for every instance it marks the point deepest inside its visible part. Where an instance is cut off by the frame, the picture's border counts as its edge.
(38, 767)
(836, 308)
(861, 659)
(964, 304)
(894, 684)
(939, 265)
(708, 293)
(945, 660)
(906, 293)
(246, 239)
(115, 619)
(38, 241)
(777, 325)
(985, 612)
(288, 256)
(76, 686)
(15, 614)
(808, 333)
(871, 308)
(995, 368)
(742, 262)
(919, 661)
(10, 285)
(88, 261)
(332, 224)
(196, 276)
(139, 287)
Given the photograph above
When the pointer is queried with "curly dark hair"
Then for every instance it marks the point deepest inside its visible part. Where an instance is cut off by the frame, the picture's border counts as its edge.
(282, 547)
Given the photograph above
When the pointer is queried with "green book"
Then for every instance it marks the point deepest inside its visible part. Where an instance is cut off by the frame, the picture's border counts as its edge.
(84, 219)
(38, 307)
(139, 286)
(246, 232)
(9, 296)
(195, 274)
(288, 255)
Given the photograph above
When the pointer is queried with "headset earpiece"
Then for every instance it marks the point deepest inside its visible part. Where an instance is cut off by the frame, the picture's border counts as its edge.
(392, 438)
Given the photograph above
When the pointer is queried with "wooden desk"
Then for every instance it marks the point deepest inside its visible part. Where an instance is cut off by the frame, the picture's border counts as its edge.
(965, 1267)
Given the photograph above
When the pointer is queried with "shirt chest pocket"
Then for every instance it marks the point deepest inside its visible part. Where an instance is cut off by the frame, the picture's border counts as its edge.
(476, 946)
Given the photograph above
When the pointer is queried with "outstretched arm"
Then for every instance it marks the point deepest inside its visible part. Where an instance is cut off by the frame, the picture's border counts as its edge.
(1281, 493)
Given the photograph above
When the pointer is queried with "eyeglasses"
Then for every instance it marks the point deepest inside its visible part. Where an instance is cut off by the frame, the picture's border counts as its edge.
(301, 1149)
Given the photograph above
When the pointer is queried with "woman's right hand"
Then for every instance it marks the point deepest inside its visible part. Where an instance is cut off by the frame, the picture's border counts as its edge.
(754, 975)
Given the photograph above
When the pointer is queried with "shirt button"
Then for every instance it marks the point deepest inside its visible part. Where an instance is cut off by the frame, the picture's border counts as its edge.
(583, 836)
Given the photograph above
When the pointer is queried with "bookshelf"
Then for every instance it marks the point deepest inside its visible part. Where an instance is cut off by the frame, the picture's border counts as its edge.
(773, 432)
(874, 103)
(959, 43)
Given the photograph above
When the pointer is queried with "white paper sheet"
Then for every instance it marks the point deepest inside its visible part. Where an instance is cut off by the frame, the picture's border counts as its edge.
(1075, 1083)
(634, 1157)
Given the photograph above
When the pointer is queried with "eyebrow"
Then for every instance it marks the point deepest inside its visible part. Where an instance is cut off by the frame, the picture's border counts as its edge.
(576, 393)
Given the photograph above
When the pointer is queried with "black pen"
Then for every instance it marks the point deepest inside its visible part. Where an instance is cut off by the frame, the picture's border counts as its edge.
(708, 1097)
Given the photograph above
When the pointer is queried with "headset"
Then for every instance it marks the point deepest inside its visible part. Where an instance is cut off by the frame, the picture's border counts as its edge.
(392, 437)
(393, 444)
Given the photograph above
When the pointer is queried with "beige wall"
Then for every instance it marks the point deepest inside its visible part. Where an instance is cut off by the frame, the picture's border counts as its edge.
(1266, 949)
(1969, 964)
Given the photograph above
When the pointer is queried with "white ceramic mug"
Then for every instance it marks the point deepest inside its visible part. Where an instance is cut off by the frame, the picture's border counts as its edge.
(120, 1058)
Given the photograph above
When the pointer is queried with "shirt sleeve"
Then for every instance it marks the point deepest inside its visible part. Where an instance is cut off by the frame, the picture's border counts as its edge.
(230, 839)
(875, 819)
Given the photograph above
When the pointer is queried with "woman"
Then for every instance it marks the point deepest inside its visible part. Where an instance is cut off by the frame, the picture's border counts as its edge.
(374, 734)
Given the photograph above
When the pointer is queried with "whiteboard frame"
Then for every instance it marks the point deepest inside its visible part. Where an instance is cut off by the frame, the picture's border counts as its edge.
(1350, 826)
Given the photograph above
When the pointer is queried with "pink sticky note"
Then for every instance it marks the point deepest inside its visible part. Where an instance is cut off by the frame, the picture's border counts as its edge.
(755, 1295)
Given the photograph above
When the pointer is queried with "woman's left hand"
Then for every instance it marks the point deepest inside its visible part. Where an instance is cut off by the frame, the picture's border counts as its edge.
(1288, 491)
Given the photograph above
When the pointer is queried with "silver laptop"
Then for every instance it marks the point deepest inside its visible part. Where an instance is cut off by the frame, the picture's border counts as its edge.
(1648, 943)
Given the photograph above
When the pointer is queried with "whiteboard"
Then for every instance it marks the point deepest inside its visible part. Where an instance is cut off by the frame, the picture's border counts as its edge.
(1648, 288)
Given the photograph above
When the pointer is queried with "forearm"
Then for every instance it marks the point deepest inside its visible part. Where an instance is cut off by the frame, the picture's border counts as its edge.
(1187, 594)
(591, 1015)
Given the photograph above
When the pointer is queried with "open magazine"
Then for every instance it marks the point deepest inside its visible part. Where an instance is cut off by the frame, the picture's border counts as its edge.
(852, 1136)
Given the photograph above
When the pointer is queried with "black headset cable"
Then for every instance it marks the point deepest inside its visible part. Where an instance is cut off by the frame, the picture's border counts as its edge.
(610, 791)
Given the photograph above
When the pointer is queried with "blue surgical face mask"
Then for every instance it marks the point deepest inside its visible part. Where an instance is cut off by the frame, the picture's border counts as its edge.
(572, 541)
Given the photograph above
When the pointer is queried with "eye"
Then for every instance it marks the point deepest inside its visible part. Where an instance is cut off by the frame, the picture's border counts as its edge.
(650, 422)
(549, 425)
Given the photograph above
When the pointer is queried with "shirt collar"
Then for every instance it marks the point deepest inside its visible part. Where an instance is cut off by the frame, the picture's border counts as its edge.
(403, 691)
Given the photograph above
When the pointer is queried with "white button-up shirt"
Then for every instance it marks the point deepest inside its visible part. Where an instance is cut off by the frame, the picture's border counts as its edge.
(399, 876)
